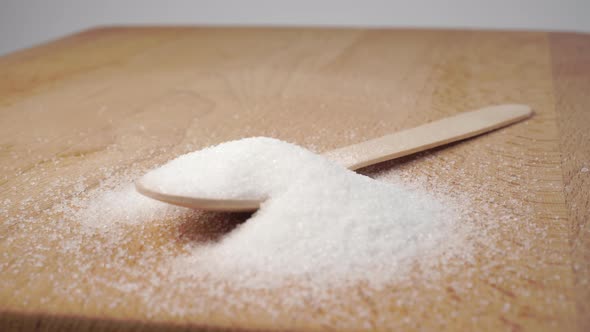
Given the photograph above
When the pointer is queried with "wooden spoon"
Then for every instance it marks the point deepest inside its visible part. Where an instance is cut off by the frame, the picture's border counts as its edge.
(403, 143)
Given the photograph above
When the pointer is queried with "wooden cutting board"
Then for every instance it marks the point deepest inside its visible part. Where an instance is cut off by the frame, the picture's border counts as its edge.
(85, 108)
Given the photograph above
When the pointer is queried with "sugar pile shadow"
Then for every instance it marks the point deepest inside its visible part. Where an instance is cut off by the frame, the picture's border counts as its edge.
(207, 227)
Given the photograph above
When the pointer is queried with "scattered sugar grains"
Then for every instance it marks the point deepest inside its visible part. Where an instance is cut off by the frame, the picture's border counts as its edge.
(118, 205)
(320, 220)
(426, 230)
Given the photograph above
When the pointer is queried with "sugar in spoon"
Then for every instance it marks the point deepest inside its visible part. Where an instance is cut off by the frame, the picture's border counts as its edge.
(427, 136)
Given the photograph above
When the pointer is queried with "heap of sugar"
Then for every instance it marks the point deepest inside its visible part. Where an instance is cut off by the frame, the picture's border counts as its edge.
(91, 241)
(319, 221)
(251, 168)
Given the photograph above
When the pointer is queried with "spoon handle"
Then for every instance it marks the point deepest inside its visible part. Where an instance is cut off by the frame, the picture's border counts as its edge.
(428, 136)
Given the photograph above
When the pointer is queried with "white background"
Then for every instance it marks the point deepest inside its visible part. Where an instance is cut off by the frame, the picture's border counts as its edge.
(24, 23)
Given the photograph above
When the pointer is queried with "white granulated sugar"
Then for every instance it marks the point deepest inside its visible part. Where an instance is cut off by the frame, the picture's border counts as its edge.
(339, 249)
(250, 168)
(320, 220)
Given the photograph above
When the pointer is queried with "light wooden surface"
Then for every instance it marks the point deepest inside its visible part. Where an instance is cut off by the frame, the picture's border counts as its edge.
(130, 98)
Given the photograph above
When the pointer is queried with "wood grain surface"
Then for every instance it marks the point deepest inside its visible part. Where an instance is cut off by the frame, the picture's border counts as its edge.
(111, 101)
